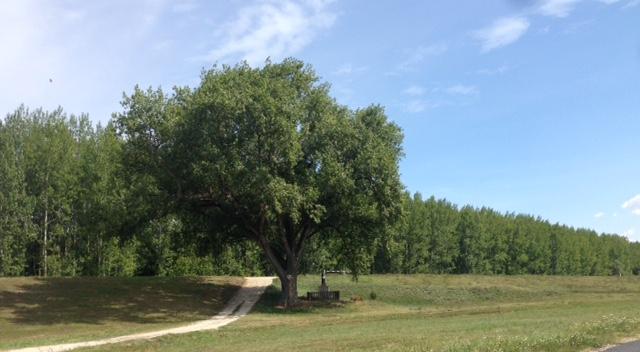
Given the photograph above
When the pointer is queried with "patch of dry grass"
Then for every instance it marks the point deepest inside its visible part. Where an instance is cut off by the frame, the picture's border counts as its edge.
(36, 311)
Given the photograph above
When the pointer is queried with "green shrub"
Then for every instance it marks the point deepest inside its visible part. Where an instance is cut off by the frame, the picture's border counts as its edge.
(119, 259)
(189, 265)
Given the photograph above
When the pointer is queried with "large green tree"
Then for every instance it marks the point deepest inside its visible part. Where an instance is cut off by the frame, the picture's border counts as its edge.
(50, 161)
(270, 153)
(16, 229)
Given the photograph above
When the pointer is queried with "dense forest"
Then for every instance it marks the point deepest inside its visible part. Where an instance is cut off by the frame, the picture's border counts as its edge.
(70, 205)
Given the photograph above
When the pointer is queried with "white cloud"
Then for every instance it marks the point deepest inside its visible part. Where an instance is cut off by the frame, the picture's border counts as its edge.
(598, 215)
(576, 27)
(493, 71)
(31, 53)
(544, 30)
(633, 205)
(629, 234)
(414, 91)
(563, 8)
(460, 89)
(502, 32)
(420, 105)
(162, 45)
(349, 69)
(557, 8)
(344, 94)
(274, 29)
(415, 106)
(181, 6)
(420, 55)
(631, 3)
(85, 48)
(437, 96)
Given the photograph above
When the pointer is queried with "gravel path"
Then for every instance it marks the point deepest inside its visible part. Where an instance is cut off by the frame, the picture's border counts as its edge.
(238, 306)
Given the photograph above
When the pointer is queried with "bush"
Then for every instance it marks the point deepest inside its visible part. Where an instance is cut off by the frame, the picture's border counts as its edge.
(118, 259)
(189, 265)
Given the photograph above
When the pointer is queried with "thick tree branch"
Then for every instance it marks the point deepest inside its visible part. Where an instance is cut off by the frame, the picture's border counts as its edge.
(266, 247)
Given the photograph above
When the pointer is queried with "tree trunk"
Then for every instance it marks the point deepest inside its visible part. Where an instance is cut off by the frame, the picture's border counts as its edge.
(286, 267)
(44, 245)
(289, 285)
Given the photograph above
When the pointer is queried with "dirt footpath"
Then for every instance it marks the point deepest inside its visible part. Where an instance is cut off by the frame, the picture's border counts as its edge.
(239, 306)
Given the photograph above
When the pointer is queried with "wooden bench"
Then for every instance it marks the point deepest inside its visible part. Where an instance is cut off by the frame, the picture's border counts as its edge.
(323, 296)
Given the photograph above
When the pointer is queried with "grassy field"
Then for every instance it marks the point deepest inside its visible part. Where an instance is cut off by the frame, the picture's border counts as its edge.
(433, 313)
(36, 311)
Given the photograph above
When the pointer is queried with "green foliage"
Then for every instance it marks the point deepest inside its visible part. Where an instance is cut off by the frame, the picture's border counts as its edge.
(268, 156)
(189, 266)
(119, 259)
(155, 252)
(16, 228)
(439, 238)
(254, 171)
(63, 195)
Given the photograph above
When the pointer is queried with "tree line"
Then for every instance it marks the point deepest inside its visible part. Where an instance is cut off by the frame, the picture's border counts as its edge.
(252, 172)
(435, 236)
(67, 207)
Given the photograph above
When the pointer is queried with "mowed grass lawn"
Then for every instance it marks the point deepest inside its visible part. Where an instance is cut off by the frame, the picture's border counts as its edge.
(35, 311)
(432, 313)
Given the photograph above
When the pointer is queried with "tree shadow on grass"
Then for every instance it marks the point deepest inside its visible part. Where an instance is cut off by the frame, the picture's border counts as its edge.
(98, 300)
(269, 303)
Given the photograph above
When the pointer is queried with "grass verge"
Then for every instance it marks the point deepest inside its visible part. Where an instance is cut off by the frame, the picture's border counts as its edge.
(432, 313)
(36, 311)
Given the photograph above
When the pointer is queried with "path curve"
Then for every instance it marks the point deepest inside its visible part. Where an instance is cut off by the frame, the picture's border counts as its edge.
(239, 306)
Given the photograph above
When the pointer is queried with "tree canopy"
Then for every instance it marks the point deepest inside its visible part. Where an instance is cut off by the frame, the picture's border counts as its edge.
(270, 151)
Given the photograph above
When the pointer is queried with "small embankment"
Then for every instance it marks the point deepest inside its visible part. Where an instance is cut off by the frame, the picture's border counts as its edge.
(239, 306)
(57, 311)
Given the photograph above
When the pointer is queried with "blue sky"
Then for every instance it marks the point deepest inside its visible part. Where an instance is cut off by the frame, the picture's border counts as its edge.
(529, 106)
